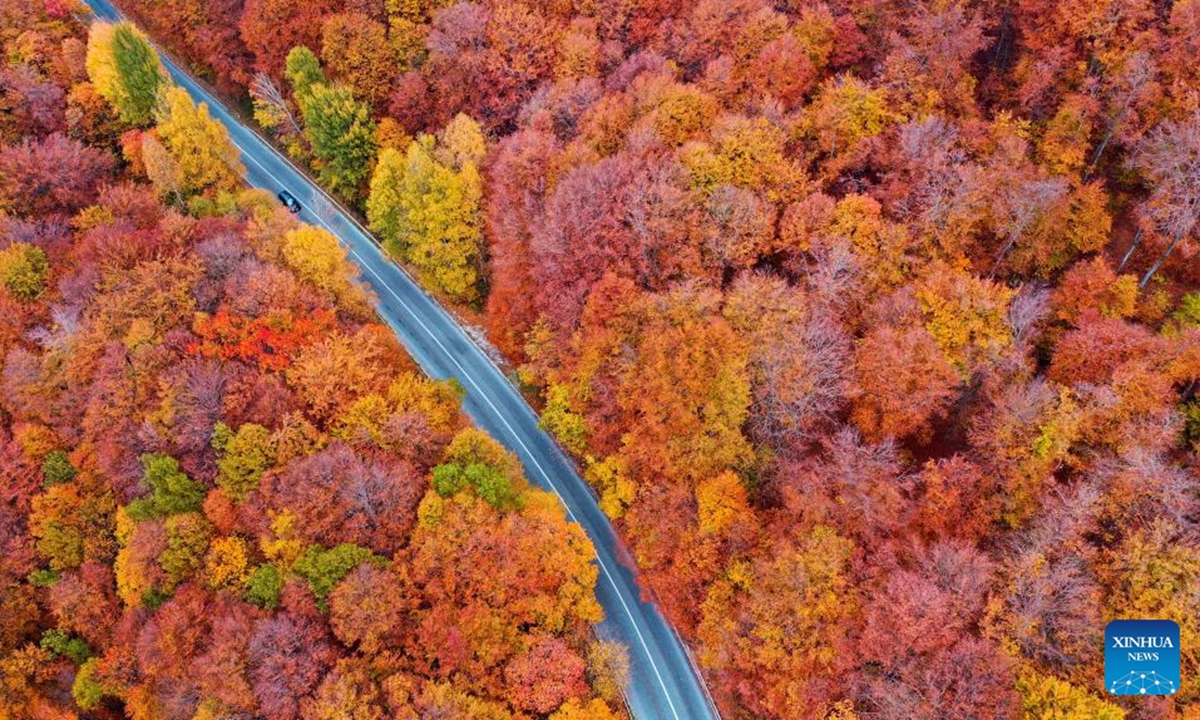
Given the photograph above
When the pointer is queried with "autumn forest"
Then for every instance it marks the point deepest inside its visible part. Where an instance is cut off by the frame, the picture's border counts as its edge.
(874, 326)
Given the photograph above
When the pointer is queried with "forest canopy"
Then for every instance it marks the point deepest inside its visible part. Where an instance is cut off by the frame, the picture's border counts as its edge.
(875, 326)
(226, 488)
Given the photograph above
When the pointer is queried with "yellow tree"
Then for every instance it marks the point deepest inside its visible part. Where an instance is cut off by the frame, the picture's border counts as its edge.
(461, 142)
(23, 270)
(1158, 576)
(200, 145)
(574, 709)
(315, 255)
(776, 627)
(1048, 698)
(125, 70)
(162, 169)
(427, 212)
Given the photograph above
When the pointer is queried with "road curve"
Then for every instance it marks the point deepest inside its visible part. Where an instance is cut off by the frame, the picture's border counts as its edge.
(663, 683)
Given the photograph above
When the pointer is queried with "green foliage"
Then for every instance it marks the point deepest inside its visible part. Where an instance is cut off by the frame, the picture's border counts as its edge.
(338, 126)
(57, 469)
(303, 70)
(489, 483)
(62, 644)
(125, 71)
(23, 270)
(342, 135)
(323, 569)
(154, 598)
(188, 535)
(171, 490)
(1191, 424)
(448, 479)
(263, 587)
(428, 213)
(87, 689)
(244, 457)
(1187, 315)
(221, 435)
(44, 577)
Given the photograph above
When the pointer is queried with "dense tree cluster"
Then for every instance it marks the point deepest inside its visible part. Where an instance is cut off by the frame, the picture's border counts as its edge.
(227, 492)
(875, 326)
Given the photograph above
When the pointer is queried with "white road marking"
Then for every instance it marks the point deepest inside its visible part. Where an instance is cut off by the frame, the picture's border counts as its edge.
(570, 514)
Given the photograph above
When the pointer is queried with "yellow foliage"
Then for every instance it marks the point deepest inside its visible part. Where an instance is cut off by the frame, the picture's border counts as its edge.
(880, 243)
(472, 445)
(437, 400)
(315, 255)
(161, 168)
(125, 526)
(1065, 141)
(1088, 222)
(390, 134)
(23, 270)
(206, 158)
(225, 567)
(461, 142)
(1047, 698)
(364, 419)
(816, 29)
(722, 501)
(567, 426)
(1159, 577)
(748, 153)
(427, 212)
(965, 314)
(574, 558)
(683, 112)
(429, 512)
(845, 111)
(578, 54)
(132, 581)
(841, 710)
(281, 544)
(610, 479)
(608, 669)
(36, 440)
(575, 709)
(124, 70)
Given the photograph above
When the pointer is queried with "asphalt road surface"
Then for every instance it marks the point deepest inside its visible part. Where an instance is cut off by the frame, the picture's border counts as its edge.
(663, 681)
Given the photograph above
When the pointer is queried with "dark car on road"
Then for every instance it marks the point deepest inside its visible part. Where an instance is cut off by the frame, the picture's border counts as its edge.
(289, 201)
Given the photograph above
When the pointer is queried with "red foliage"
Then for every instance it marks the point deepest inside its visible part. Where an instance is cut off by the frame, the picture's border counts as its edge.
(546, 675)
(53, 175)
(289, 652)
(271, 28)
(268, 342)
(1093, 352)
(340, 498)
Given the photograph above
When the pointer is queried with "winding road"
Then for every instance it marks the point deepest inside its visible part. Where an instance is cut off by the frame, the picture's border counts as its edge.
(664, 683)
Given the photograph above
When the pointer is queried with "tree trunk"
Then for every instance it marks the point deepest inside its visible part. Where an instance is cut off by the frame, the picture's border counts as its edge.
(1000, 258)
(1096, 155)
(1154, 268)
(1137, 240)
